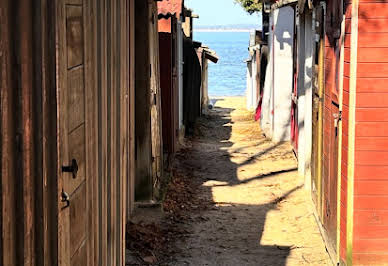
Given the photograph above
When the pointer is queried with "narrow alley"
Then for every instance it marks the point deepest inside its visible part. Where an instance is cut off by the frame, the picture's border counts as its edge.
(193, 132)
(256, 213)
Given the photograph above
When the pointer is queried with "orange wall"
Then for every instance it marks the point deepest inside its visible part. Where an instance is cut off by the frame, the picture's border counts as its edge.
(345, 132)
(370, 232)
(164, 25)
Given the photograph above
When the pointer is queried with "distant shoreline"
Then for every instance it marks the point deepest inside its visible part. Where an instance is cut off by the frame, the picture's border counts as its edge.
(222, 30)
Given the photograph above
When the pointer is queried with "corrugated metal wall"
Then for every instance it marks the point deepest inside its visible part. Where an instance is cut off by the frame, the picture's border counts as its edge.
(28, 133)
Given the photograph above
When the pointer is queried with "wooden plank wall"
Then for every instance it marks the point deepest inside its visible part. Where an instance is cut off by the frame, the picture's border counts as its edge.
(143, 148)
(28, 123)
(28, 133)
(370, 231)
(113, 76)
(149, 159)
(156, 101)
(331, 105)
(345, 133)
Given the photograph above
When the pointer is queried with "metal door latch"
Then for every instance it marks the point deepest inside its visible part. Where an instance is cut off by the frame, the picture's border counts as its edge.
(65, 198)
(73, 168)
(337, 118)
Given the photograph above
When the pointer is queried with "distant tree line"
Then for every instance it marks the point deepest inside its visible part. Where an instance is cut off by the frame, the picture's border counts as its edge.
(251, 6)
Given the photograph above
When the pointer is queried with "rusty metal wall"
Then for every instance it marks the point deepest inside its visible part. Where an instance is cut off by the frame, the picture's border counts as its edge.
(28, 133)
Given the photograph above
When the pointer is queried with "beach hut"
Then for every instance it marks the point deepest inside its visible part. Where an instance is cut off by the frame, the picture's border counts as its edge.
(275, 119)
(347, 161)
(66, 123)
(70, 141)
(205, 54)
(168, 50)
(256, 69)
(252, 73)
(336, 105)
(171, 20)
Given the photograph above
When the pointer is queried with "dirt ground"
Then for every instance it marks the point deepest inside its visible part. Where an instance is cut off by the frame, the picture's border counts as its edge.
(258, 212)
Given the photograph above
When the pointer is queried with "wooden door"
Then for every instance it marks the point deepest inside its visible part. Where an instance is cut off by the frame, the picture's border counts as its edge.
(318, 91)
(166, 85)
(330, 143)
(73, 190)
(330, 189)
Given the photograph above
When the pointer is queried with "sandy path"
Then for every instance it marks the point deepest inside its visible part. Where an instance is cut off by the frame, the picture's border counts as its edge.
(259, 213)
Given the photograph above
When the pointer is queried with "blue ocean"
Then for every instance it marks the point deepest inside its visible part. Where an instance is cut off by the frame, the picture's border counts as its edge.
(228, 76)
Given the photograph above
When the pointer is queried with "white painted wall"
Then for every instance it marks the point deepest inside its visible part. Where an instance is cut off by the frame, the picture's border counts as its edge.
(301, 93)
(266, 107)
(251, 91)
(254, 81)
(283, 68)
(308, 72)
(248, 93)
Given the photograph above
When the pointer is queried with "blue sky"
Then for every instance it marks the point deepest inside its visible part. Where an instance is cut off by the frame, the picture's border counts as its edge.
(220, 12)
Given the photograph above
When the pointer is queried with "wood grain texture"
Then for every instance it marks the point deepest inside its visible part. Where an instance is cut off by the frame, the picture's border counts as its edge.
(74, 36)
(132, 165)
(76, 97)
(55, 71)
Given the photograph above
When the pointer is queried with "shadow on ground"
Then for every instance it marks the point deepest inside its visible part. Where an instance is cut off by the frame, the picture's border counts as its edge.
(235, 199)
(232, 228)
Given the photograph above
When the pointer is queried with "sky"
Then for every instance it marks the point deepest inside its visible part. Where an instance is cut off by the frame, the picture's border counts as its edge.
(220, 12)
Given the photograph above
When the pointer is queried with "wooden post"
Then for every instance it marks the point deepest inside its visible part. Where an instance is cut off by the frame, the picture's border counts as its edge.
(143, 187)
(351, 131)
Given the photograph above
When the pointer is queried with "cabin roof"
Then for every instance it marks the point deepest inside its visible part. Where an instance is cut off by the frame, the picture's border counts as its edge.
(169, 8)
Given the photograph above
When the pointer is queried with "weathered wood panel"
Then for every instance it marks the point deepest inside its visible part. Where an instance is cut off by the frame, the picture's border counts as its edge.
(156, 102)
(143, 150)
(28, 126)
(69, 65)
(114, 126)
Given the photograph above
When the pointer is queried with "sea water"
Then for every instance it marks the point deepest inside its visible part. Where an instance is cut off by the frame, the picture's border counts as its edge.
(228, 76)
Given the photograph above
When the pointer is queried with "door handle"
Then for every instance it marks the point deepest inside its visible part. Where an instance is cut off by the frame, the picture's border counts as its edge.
(337, 118)
(66, 199)
(73, 168)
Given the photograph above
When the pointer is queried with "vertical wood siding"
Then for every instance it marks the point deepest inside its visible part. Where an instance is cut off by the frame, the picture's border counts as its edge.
(114, 126)
(28, 133)
(156, 101)
(330, 167)
(29, 163)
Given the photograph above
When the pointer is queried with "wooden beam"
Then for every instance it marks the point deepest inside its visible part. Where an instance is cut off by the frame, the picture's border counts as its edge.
(339, 162)
(352, 131)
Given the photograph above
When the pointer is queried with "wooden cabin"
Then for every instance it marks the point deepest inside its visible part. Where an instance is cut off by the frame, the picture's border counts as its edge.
(338, 116)
(277, 93)
(349, 184)
(70, 143)
(169, 15)
(205, 55)
(363, 186)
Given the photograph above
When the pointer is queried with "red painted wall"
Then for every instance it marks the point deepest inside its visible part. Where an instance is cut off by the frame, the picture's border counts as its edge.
(345, 132)
(330, 131)
(370, 232)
